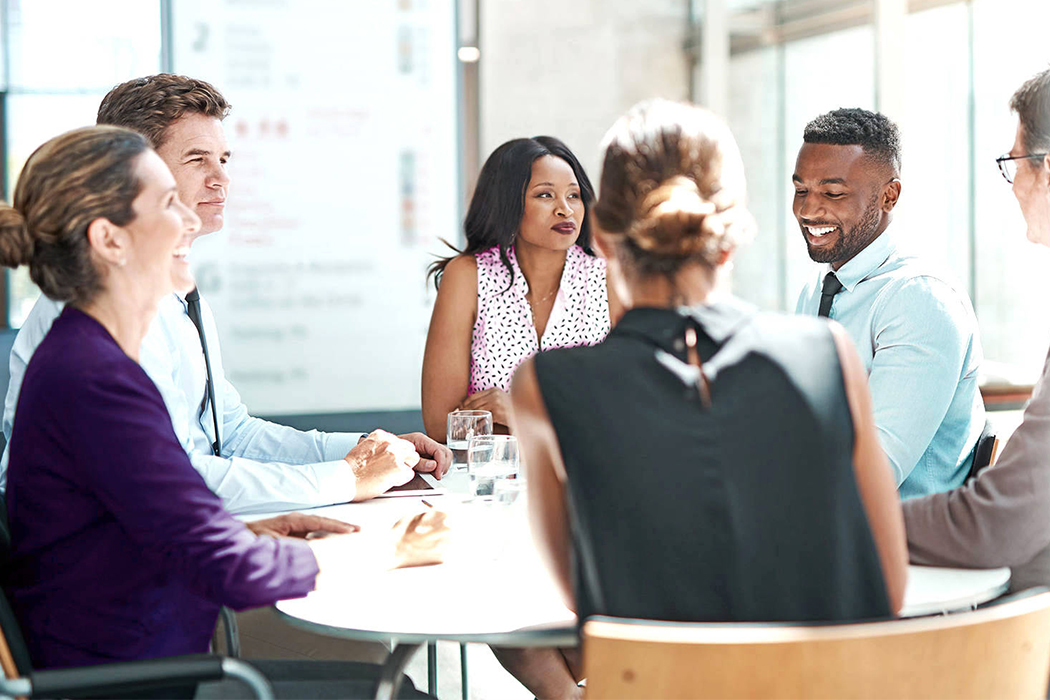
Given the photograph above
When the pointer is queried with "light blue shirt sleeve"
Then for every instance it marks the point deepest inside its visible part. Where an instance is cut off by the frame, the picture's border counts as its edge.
(920, 337)
(264, 466)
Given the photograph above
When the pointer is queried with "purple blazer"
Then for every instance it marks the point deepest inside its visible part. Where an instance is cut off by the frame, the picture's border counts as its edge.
(120, 550)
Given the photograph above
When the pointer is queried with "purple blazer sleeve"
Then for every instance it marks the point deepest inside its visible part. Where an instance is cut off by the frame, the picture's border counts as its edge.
(133, 463)
(1001, 518)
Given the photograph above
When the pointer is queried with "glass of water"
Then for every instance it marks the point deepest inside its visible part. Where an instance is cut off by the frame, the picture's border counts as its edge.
(492, 459)
(462, 426)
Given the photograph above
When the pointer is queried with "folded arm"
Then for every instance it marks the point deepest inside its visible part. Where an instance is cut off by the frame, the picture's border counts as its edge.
(1001, 517)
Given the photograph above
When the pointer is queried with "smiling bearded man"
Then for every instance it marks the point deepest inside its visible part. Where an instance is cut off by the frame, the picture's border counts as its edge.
(916, 332)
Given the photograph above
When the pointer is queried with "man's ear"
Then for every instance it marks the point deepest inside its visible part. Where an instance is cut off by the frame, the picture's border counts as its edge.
(108, 241)
(1044, 172)
(891, 192)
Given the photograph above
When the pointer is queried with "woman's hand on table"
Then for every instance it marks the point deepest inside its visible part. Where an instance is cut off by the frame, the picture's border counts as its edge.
(495, 401)
(300, 525)
(420, 539)
(415, 540)
(381, 461)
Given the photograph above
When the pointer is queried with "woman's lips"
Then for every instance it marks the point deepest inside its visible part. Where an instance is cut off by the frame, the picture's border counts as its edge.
(566, 227)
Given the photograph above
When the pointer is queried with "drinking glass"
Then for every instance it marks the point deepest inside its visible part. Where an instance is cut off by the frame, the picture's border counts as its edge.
(509, 490)
(461, 427)
(491, 459)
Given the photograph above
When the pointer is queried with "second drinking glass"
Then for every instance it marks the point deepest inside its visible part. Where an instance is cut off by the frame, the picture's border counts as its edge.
(490, 460)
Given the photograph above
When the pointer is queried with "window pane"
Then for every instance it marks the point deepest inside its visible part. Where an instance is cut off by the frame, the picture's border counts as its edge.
(62, 45)
(1012, 283)
(932, 217)
(754, 118)
(813, 84)
(32, 120)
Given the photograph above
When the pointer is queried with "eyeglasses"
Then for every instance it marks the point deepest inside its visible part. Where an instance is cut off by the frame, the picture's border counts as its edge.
(1008, 166)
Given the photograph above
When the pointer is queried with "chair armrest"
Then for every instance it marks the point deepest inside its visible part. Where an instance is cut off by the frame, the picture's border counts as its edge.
(233, 638)
(129, 677)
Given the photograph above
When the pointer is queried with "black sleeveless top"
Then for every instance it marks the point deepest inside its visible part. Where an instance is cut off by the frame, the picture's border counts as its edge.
(746, 510)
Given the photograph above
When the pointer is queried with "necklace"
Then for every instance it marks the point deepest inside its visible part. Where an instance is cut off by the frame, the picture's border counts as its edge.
(548, 296)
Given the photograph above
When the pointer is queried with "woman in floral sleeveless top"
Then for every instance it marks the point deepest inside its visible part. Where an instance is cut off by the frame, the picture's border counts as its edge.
(527, 281)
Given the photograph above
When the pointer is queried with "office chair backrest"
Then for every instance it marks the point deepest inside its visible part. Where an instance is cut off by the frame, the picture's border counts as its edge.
(986, 451)
(1000, 652)
(14, 655)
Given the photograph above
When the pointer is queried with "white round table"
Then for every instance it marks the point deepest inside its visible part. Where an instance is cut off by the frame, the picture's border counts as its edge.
(494, 589)
(934, 590)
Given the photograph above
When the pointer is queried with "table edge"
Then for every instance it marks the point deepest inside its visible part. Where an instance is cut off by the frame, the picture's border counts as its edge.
(534, 637)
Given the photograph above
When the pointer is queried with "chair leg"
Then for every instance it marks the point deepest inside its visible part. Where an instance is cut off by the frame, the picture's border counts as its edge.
(463, 679)
(233, 638)
(393, 669)
(432, 668)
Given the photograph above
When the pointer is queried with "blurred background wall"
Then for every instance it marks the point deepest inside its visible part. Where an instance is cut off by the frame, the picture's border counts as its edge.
(358, 129)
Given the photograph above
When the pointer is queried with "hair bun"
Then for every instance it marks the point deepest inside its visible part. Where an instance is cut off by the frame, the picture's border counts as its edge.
(16, 245)
(676, 221)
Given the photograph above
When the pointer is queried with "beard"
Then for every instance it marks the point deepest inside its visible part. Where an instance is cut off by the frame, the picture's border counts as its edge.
(853, 241)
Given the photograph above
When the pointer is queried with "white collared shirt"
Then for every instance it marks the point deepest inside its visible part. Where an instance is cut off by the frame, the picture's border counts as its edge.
(263, 467)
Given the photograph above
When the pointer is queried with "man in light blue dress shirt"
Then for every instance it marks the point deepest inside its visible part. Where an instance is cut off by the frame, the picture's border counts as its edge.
(915, 330)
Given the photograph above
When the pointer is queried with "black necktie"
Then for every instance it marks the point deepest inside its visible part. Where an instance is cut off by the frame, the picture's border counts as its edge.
(831, 287)
(193, 309)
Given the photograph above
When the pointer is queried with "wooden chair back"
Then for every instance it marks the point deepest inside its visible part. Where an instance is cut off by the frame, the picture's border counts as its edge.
(1001, 651)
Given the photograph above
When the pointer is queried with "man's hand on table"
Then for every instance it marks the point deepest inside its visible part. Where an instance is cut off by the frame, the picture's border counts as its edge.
(300, 525)
(379, 462)
(434, 458)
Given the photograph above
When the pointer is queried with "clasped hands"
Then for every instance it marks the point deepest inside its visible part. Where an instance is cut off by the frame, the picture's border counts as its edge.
(495, 401)
(381, 461)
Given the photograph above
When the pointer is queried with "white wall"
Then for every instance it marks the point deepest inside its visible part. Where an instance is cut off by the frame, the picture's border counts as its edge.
(570, 69)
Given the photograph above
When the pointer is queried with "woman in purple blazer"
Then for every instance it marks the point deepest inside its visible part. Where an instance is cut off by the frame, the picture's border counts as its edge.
(119, 550)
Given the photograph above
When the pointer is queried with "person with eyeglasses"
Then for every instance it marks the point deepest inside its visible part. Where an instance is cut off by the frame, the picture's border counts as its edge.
(1000, 518)
(915, 329)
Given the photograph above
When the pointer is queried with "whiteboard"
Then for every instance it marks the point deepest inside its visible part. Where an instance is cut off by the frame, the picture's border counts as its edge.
(345, 176)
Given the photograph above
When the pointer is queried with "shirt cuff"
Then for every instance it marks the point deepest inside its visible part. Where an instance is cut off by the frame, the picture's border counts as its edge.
(338, 444)
(336, 477)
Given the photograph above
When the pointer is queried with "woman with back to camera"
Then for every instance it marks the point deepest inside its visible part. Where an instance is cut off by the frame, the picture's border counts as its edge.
(119, 550)
(526, 281)
(716, 463)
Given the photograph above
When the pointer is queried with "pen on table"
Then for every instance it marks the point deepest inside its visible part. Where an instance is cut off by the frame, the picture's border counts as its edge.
(427, 503)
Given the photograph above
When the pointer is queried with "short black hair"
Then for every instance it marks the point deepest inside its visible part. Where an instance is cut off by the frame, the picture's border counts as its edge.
(874, 132)
(1032, 104)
